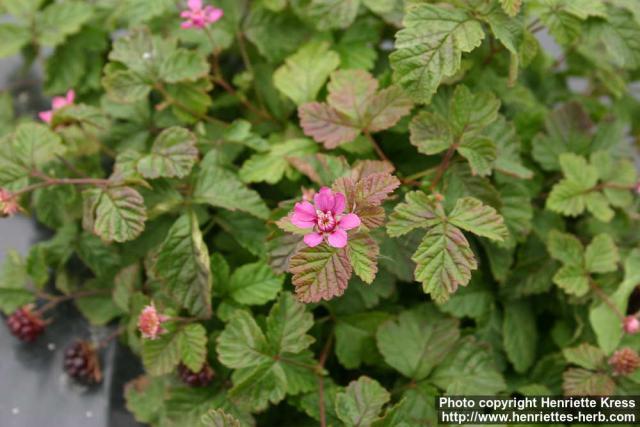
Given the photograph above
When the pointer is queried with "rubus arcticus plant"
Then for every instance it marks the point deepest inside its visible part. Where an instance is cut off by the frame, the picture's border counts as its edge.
(321, 212)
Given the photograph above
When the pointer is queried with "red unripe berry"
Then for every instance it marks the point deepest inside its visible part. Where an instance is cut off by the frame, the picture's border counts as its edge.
(25, 324)
(81, 363)
(201, 378)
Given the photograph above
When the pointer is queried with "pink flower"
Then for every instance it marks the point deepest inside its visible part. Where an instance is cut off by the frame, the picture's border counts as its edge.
(57, 103)
(638, 188)
(8, 203)
(199, 17)
(150, 322)
(326, 219)
(631, 325)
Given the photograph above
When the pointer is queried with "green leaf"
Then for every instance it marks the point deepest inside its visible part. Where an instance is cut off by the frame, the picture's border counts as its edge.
(470, 370)
(361, 402)
(363, 253)
(271, 167)
(601, 255)
(481, 154)
(508, 149)
(320, 273)
(511, 7)
(242, 343)
(585, 355)
(115, 213)
(565, 247)
(58, 20)
(254, 284)
(173, 154)
(430, 46)
(430, 133)
(14, 38)
(444, 261)
(418, 211)
(32, 147)
(182, 264)
(568, 198)
(306, 71)
(355, 338)
(471, 112)
(287, 326)
(222, 188)
(162, 355)
(471, 215)
(582, 382)
(98, 309)
(145, 398)
(193, 346)
(417, 341)
(520, 335)
(573, 279)
(182, 65)
(125, 86)
(13, 279)
(219, 418)
(327, 14)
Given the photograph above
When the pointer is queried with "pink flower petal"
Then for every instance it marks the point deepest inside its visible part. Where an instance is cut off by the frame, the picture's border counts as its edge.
(213, 14)
(195, 4)
(313, 239)
(338, 239)
(58, 102)
(71, 96)
(186, 14)
(340, 202)
(324, 199)
(46, 116)
(186, 25)
(304, 215)
(349, 221)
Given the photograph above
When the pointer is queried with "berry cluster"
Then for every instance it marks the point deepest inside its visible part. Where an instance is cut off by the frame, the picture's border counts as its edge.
(201, 378)
(81, 363)
(25, 324)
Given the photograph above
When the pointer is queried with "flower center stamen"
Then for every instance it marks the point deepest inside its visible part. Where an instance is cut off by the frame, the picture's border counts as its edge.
(326, 221)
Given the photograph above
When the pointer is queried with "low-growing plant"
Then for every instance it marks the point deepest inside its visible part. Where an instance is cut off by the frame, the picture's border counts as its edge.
(321, 212)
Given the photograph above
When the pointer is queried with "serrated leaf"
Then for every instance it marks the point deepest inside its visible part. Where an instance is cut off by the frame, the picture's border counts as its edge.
(145, 398)
(565, 247)
(328, 14)
(117, 213)
(306, 71)
(182, 65)
(254, 284)
(13, 279)
(271, 167)
(173, 154)
(418, 211)
(481, 154)
(219, 418)
(520, 335)
(508, 149)
(125, 86)
(57, 21)
(470, 370)
(32, 147)
(222, 188)
(582, 382)
(361, 402)
(417, 341)
(430, 133)
(444, 261)
(363, 253)
(601, 255)
(585, 355)
(162, 355)
(326, 125)
(287, 326)
(472, 215)
(511, 7)
(242, 343)
(430, 46)
(472, 111)
(568, 198)
(193, 346)
(320, 273)
(182, 265)
(573, 279)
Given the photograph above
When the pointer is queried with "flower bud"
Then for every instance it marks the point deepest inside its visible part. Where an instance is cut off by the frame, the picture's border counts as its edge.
(631, 325)
(624, 361)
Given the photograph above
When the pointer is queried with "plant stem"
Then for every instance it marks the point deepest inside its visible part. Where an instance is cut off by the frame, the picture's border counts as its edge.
(377, 148)
(49, 182)
(55, 300)
(605, 298)
(442, 168)
(170, 99)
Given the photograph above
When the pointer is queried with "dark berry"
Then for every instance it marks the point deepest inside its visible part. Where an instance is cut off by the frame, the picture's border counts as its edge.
(81, 363)
(201, 378)
(26, 325)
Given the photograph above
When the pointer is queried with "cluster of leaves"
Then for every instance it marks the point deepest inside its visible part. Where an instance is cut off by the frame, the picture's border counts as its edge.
(496, 176)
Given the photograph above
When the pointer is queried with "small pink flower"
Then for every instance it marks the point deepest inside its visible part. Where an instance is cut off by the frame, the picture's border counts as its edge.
(8, 203)
(150, 322)
(57, 103)
(638, 188)
(199, 17)
(631, 325)
(326, 219)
